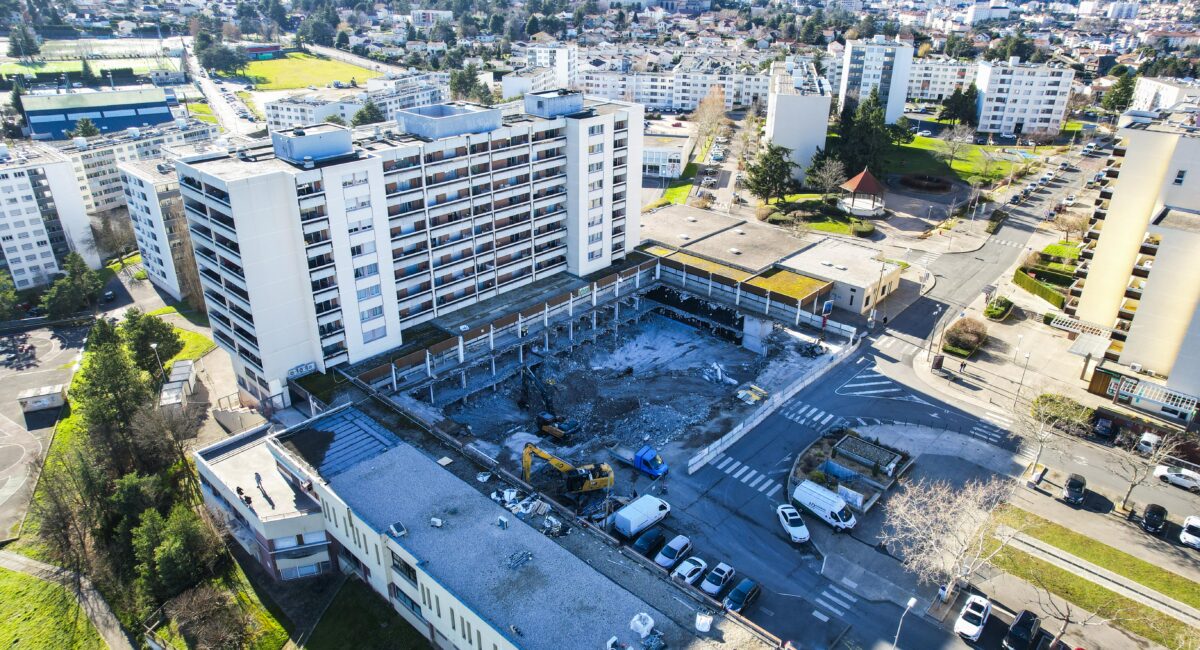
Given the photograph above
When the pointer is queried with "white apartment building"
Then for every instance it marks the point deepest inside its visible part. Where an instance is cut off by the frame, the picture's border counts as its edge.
(527, 80)
(41, 214)
(1162, 93)
(427, 18)
(1022, 98)
(682, 88)
(159, 226)
(979, 12)
(1143, 254)
(650, 89)
(391, 94)
(877, 64)
(322, 246)
(798, 112)
(935, 79)
(563, 59)
(95, 159)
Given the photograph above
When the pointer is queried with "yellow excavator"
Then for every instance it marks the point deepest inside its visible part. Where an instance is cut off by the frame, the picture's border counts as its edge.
(597, 476)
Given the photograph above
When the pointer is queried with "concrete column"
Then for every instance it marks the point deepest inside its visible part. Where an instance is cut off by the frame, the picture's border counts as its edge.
(710, 283)
(431, 393)
(799, 307)
(493, 360)
(393, 376)
(546, 339)
(617, 287)
(461, 350)
(520, 326)
(491, 337)
(657, 270)
(571, 330)
(428, 363)
(545, 314)
(616, 318)
(737, 294)
(593, 294)
(637, 279)
(521, 353)
(593, 321)
(462, 376)
(767, 311)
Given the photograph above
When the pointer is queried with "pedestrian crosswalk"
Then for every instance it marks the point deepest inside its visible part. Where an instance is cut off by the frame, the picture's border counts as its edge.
(992, 426)
(895, 345)
(929, 257)
(1005, 242)
(752, 478)
(870, 382)
(807, 415)
(835, 601)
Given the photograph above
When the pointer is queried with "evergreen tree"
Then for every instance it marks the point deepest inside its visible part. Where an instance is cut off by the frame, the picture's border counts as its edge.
(73, 292)
(85, 128)
(149, 340)
(1120, 96)
(368, 114)
(22, 42)
(533, 26)
(86, 74)
(770, 176)
(869, 140)
(343, 40)
(14, 98)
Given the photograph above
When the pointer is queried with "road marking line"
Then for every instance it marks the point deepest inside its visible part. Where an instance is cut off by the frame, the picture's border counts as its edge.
(749, 475)
(860, 360)
(870, 374)
(826, 594)
(884, 342)
(774, 490)
(722, 464)
(816, 416)
(849, 583)
(821, 617)
(732, 467)
(876, 391)
(765, 485)
(809, 411)
(869, 383)
(827, 419)
(758, 480)
(741, 471)
(843, 594)
(860, 422)
(830, 607)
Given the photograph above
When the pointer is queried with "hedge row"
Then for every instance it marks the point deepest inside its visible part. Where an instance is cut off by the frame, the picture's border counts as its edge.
(1022, 279)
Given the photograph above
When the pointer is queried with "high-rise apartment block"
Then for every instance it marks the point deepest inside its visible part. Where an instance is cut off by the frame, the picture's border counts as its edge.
(798, 111)
(1142, 259)
(324, 245)
(684, 86)
(1161, 93)
(934, 79)
(562, 58)
(878, 64)
(159, 226)
(41, 214)
(1022, 98)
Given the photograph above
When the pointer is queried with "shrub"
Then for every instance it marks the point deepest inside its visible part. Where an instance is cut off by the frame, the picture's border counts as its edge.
(704, 202)
(967, 333)
(140, 275)
(863, 229)
(764, 211)
(1045, 292)
(998, 308)
(779, 218)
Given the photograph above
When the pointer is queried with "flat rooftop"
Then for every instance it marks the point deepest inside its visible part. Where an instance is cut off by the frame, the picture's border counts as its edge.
(336, 443)
(511, 302)
(1179, 219)
(840, 261)
(748, 245)
(30, 154)
(152, 169)
(248, 463)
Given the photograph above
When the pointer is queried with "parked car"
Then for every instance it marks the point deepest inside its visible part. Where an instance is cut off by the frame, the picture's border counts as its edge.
(109, 296)
(792, 524)
(1074, 489)
(1148, 443)
(718, 579)
(1070, 200)
(674, 551)
(648, 542)
(1179, 477)
(973, 618)
(1022, 632)
(742, 596)
(690, 570)
(925, 133)
(1190, 534)
(1154, 519)
(677, 124)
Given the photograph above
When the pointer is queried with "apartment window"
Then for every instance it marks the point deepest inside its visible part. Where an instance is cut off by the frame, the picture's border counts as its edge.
(596, 237)
(366, 271)
(595, 167)
(362, 249)
(596, 203)
(597, 129)
(371, 314)
(595, 255)
(1179, 176)
(595, 185)
(368, 292)
(374, 334)
(596, 148)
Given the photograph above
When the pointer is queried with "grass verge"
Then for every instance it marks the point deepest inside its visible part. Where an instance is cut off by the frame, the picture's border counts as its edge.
(202, 112)
(194, 317)
(1085, 548)
(1123, 613)
(194, 346)
(39, 614)
(300, 70)
(360, 614)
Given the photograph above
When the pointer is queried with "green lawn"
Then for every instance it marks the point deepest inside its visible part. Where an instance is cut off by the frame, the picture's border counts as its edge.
(194, 346)
(360, 614)
(139, 65)
(920, 157)
(193, 317)
(1129, 615)
(1084, 547)
(202, 112)
(1064, 249)
(838, 224)
(299, 70)
(39, 614)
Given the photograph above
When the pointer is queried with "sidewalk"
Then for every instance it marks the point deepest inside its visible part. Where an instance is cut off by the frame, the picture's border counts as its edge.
(90, 600)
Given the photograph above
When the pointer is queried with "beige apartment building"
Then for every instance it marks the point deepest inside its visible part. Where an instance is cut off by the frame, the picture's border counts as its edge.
(1140, 283)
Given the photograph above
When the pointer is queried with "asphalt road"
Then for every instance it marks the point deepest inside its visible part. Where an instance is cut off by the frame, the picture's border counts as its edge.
(222, 109)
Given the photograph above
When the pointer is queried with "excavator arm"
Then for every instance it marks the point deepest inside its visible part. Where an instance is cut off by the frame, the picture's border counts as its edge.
(532, 450)
(579, 479)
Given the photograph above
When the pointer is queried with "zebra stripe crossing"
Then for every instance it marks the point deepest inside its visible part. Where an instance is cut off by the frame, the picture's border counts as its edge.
(752, 478)
(1005, 242)
(835, 601)
(807, 415)
(893, 344)
(869, 382)
(928, 258)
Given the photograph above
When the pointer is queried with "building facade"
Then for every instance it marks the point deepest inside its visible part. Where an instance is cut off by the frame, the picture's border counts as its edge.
(391, 94)
(95, 159)
(358, 236)
(798, 112)
(1161, 93)
(159, 226)
(933, 80)
(41, 215)
(877, 64)
(54, 117)
(562, 58)
(1022, 98)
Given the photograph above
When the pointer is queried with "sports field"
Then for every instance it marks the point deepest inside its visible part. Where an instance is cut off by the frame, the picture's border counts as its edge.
(140, 65)
(300, 70)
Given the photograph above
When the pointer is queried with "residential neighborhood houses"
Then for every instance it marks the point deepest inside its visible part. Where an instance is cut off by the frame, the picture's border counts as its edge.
(694, 323)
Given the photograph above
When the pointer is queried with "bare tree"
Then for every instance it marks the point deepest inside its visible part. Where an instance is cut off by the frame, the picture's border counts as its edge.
(1067, 614)
(710, 113)
(828, 176)
(955, 142)
(208, 618)
(1135, 470)
(945, 533)
(1069, 222)
(1050, 417)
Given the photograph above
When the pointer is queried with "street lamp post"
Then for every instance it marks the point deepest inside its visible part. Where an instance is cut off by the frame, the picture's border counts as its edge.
(161, 369)
(1022, 383)
(912, 602)
(1020, 338)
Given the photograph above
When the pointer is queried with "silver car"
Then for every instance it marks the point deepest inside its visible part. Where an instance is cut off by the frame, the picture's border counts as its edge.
(673, 552)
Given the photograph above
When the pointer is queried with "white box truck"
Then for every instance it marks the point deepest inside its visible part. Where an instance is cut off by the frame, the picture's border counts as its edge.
(824, 504)
(40, 399)
(640, 514)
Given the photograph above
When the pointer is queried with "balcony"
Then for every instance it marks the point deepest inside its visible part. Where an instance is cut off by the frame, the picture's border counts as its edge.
(1071, 306)
(1105, 194)
(1077, 287)
(1128, 308)
(1150, 245)
(1081, 271)
(1115, 348)
(1135, 288)
(1142, 266)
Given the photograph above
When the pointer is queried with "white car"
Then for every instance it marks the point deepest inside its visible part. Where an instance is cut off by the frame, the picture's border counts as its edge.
(925, 133)
(973, 618)
(674, 551)
(1070, 200)
(1189, 535)
(792, 524)
(1177, 476)
(690, 570)
(718, 579)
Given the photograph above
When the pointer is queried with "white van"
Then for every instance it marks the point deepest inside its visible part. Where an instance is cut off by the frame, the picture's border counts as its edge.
(826, 505)
(640, 514)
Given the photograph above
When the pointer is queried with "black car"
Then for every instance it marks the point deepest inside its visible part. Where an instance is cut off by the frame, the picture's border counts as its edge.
(109, 296)
(1023, 631)
(1154, 519)
(1074, 489)
(742, 596)
(648, 542)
